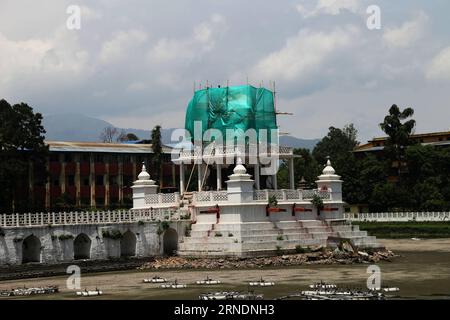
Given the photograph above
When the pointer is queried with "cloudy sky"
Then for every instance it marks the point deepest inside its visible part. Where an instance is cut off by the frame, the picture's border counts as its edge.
(134, 63)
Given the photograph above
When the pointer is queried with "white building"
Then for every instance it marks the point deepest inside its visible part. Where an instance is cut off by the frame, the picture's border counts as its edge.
(244, 220)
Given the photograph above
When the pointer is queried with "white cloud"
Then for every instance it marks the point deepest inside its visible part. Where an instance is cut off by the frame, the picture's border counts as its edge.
(439, 68)
(136, 87)
(56, 56)
(329, 7)
(202, 39)
(408, 33)
(88, 13)
(303, 54)
(121, 44)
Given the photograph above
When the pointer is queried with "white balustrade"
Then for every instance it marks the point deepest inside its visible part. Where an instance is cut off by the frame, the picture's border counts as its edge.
(211, 196)
(94, 217)
(398, 216)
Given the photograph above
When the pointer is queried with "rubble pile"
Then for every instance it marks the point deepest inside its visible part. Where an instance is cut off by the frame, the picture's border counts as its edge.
(323, 256)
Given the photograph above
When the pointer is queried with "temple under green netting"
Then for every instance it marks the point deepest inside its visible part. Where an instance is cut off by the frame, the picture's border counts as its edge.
(238, 108)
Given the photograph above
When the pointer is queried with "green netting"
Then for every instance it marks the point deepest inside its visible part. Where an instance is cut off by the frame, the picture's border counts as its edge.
(240, 107)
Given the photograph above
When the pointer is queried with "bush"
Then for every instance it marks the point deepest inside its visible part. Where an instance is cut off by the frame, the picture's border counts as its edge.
(399, 230)
(300, 249)
(54, 237)
(186, 216)
(17, 240)
(165, 225)
(113, 234)
(273, 202)
(317, 202)
(280, 238)
(217, 234)
(187, 231)
(230, 234)
(278, 250)
(63, 237)
(140, 223)
(2, 233)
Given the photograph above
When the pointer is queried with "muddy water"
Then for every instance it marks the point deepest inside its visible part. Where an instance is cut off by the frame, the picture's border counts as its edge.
(422, 271)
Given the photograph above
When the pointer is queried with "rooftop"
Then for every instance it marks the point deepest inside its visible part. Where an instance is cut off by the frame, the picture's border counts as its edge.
(69, 146)
(432, 138)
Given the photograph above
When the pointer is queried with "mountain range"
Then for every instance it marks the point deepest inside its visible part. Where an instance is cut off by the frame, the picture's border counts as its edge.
(77, 127)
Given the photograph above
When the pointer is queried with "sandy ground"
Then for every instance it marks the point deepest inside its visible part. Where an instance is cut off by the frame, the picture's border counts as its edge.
(423, 269)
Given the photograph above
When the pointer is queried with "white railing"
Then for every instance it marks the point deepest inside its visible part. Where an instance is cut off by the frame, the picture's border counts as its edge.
(398, 216)
(221, 151)
(163, 198)
(290, 195)
(93, 217)
(309, 194)
(211, 196)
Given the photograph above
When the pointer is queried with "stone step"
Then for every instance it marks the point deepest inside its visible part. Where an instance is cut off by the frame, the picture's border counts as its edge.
(256, 237)
(350, 234)
(311, 223)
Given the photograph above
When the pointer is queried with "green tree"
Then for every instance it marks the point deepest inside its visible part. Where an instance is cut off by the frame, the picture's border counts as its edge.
(428, 177)
(21, 143)
(125, 137)
(399, 130)
(157, 153)
(372, 172)
(338, 144)
(304, 167)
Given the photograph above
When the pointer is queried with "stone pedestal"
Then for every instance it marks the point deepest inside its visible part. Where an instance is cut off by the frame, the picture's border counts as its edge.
(240, 186)
(330, 181)
(142, 187)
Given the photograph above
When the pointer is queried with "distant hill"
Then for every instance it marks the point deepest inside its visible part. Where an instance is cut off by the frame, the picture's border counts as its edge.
(77, 127)
(294, 142)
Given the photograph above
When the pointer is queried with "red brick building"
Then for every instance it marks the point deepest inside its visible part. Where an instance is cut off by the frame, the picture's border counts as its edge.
(87, 174)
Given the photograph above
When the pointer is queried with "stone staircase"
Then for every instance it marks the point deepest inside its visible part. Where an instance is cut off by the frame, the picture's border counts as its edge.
(260, 238)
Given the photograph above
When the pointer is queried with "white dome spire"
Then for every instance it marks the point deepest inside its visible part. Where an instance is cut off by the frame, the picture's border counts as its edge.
(239, 169)
(144, 174)
(328, 170)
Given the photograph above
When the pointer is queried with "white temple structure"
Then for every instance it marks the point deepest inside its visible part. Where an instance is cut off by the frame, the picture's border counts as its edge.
(246, 221)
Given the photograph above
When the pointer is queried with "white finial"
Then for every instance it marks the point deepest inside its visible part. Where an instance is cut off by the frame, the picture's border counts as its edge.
(144, 174)
(328, 170)
(239, 169)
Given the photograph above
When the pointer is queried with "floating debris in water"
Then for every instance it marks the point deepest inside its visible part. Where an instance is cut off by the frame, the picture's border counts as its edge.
(231, 295)
(155, 279)
(208, 281)
(261, 283)
(29, 291)
(173, 285)
(89, 293)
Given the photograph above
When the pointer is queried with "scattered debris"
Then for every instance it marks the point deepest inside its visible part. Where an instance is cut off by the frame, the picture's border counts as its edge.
(89, 293)
(208, 281)
(173, 285)
(155, 279)
(29, 291)
(226, 295)
(324, 256)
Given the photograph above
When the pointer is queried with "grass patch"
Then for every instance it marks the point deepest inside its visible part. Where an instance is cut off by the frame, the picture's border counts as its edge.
(403, 230)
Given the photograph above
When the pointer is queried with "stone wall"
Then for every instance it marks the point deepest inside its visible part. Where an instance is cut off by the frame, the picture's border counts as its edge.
(53, 244)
